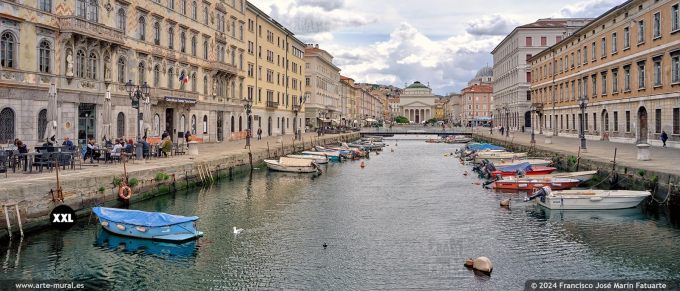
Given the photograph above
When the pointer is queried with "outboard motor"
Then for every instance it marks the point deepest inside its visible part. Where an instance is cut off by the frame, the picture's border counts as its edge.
(540, 193)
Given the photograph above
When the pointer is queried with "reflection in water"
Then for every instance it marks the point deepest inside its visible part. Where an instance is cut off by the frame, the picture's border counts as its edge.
(406, 221)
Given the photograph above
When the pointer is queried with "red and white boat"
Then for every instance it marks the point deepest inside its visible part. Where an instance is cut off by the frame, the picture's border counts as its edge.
(531, 184)
(525, 168)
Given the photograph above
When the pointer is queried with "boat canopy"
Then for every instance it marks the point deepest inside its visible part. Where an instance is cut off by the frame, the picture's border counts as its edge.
(141, 218)
(485, 146)
(514, 168)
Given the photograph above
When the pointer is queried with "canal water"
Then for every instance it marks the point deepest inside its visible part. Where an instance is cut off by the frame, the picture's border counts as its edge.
(406, 221)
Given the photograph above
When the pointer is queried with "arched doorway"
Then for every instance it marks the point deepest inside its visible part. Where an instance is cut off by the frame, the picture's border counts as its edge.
(605, 124)
(269, 126)
(233, 124)
(417, 116)
(6, 125)
(527, 119)
(642, 125)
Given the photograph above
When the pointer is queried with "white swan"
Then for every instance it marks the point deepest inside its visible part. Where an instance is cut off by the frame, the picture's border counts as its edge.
(237, 230)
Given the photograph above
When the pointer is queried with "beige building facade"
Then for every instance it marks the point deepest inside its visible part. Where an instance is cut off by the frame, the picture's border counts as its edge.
(624, 66)
(417, 103)
(322, 81)
(192, 54)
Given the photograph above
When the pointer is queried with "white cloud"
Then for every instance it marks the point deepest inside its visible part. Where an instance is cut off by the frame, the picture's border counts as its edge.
(495, 24)
(311, 17)
(327, 5)
(588, 8)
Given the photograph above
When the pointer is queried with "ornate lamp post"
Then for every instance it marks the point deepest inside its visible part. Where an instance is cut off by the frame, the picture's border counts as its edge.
(491, 125)
(507, 120)
(248, 106)
(136, 93)
(533, 112)
(583, 104)
(297, 106)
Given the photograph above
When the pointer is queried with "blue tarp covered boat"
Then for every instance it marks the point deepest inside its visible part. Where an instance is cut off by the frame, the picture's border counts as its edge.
(526, 167)
(484, 147)
(147, 225)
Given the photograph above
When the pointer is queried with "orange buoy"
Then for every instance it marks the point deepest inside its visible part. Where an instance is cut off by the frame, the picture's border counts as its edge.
(363, 165)
(125, 192)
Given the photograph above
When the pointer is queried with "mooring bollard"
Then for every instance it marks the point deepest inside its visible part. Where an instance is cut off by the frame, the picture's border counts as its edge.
(643, 153)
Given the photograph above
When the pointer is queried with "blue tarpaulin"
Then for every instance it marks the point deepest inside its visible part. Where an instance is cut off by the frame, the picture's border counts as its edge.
(141, 218)
(514, 168)
(484, 146)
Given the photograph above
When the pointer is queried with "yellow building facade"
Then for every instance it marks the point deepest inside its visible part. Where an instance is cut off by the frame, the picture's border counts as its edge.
(624, 67)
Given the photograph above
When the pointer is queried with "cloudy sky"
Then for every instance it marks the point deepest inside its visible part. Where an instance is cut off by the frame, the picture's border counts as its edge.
(441, 42)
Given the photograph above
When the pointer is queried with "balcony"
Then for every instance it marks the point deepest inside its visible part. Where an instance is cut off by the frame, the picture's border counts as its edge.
(94, 30)
(272, 104)
(220, 67)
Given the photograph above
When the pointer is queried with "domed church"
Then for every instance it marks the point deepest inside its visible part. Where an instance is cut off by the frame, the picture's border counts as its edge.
(417, 103)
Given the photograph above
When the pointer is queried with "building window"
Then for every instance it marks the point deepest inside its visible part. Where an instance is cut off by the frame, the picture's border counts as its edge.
(157, 33)
(205, 49)
(92, 66)
(657, 25)
(675, 18)
(80, 64)
(183, 6)
(45, 5)
(626, 38)
(604, 83)
(182, 42)
(627, 121)
(45, 54)
(676, 121)
(205, 15)
(171, 79)
(657, 119)
(120, 122)
(657, 72)
(544, 41)
(193, 45)
(156, 130)
(528, 41)
(616, 121)
(93, 11)
(675, 68)
(614, 40)
(121, 19)
(205, 124)
(641, 75)
(194, 10)
(121, 71)
(157, 76)
(7, 126)
(641, 31)
(626, 78)
(42, 124)
(205, 85)
(142, 28)
(603, 47)
(171, 38)
(81, 8)
(171, 4)
(141, 78)
(615, 81)
(7, 50)
(193, 124)
(193, 83)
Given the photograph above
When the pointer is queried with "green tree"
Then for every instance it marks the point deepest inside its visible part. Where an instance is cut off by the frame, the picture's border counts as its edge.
(401, 119)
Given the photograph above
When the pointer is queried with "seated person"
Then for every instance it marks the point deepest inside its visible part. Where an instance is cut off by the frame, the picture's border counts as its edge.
(117, 149)
(67, 143)
(91, 147)
(145, 148)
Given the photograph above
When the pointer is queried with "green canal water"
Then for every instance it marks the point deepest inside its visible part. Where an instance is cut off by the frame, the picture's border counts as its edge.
(406, 221)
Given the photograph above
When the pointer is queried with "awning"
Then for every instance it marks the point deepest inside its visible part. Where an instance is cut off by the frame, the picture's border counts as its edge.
(335, 121)
(180, 100)
(371, 120)
(324, 120)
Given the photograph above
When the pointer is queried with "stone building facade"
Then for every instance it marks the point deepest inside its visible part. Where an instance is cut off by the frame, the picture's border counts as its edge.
(322, 81)
(624, 66)
(190, 53)
(512, 71)
(417, 103)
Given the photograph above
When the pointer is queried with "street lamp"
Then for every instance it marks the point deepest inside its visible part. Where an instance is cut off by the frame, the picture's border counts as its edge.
(583, 104)
(248, 106)
(491, 125)
(136, 93)
(507, 120)
(533, 112)
(297, 106)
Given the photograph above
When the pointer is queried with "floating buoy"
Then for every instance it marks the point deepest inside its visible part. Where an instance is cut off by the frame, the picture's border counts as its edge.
(483, 264)
(505, 203)
(363, 165)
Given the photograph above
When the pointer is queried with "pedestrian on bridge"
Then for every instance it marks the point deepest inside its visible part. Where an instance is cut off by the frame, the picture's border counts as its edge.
(664, 138)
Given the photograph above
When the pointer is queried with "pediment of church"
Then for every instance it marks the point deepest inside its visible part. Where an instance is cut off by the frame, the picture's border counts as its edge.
(417, 104)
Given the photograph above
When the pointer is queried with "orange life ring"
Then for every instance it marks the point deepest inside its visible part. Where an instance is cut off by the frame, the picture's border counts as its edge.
(125, 192)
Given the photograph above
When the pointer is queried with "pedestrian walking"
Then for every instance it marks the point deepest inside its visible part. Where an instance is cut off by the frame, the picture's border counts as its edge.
(259, 133)
(664, 138)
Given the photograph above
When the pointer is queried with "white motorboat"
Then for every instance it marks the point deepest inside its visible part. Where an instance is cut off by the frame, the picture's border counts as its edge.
(285, 164)
(316, 159)
(582, 176)
(331, 155)
(589, 199)
(498, 156)
(533, 162)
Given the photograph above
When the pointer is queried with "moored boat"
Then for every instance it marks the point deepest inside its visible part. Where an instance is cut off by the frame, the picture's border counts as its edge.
(498, 156)
(583, 176)
(292, 165)
(533, 162)
(588, 199)
(531, 183)
(316, 159)
(458, 139)
(332, 156)
(147, 225)
(524, 168)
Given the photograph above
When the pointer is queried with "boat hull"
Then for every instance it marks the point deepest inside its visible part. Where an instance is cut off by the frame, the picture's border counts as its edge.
(273, 165)
(316, 159)
(533, 184)
(592, 202)
(331, 156)
(177, 232)
(533, 162)
(536, 171)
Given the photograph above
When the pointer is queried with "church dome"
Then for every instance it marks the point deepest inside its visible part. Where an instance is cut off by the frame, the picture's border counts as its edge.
(417, 85)
(484, 72)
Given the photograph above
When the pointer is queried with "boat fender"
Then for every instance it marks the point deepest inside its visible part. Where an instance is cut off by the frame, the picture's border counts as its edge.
(105, 223)
(120, 226)
(505, 203)
(140, 228)
(363, 165)
(125, 192)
